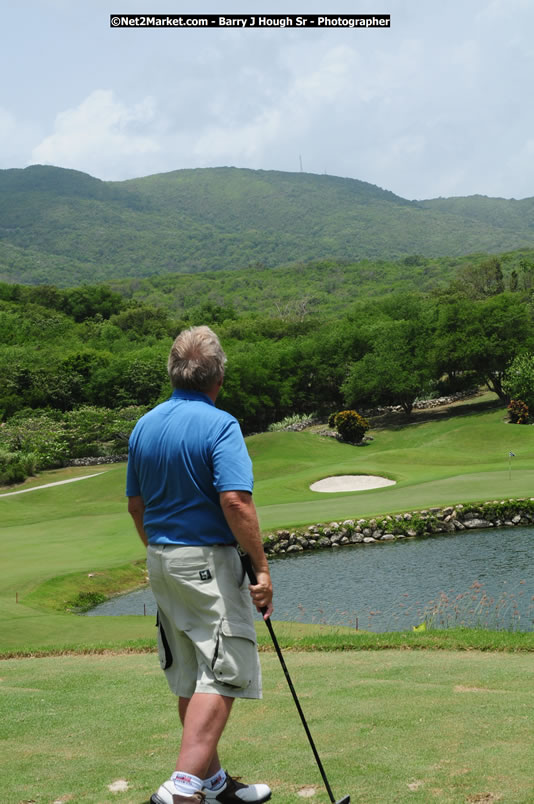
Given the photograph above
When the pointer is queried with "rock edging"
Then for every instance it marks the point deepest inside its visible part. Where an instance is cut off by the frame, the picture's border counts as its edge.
(412, 524)
(97, 461)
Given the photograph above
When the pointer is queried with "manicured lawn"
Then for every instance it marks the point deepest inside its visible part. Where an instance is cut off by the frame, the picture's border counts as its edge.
(390, 726)
(458, 459)
(79, 527)
(391, 722)
(83, 526)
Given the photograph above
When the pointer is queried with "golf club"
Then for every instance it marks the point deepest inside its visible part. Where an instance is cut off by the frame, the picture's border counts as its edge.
(247, 565)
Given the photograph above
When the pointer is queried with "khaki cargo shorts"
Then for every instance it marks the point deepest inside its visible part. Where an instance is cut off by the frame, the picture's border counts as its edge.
(206, 635)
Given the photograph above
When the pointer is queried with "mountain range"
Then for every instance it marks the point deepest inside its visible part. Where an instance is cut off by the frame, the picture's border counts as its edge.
(65, 227)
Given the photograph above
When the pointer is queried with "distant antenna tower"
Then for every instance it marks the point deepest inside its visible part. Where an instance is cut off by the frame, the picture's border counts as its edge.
(300, 160)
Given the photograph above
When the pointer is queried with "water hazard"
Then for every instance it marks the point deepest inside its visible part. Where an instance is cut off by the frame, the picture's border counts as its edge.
(472, 578)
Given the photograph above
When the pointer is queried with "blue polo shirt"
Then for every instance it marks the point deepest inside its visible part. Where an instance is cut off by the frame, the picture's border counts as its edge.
(181, 455)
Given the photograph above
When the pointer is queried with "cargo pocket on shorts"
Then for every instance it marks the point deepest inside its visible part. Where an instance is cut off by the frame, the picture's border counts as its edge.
(164, 651)
(234, 660)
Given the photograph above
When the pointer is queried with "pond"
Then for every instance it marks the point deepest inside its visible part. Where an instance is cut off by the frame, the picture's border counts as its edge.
(472, 577)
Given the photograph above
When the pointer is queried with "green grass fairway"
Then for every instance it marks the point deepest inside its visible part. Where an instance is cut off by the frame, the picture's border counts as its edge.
(84, 527)
(390, 726)
(49, 532)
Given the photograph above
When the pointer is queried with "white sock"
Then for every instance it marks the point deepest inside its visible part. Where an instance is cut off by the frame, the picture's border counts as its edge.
(216, 781)
(185, 783)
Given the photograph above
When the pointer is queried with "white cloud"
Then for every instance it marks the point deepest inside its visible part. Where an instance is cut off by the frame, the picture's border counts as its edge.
(437, 104)
(100, 136)
(306, 89)
(16, 137)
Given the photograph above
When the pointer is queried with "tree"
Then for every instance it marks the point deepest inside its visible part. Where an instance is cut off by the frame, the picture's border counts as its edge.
(395, 372)
(503, 331)
(137, 380)
(455, 331)
(480, 281)
(89, 300)
(514, 281)
(140, 320)
(210, 313)
(258, 383)
(527, 274)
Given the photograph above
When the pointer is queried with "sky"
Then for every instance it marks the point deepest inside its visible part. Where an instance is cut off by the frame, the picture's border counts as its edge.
(439, 104)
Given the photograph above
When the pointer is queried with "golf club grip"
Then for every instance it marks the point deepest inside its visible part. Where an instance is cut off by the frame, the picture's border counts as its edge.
(249, 569)
(247, 566)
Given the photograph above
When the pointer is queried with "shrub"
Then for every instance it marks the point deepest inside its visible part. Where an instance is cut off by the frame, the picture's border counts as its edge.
(296, 421)
(518, 412)
(85, 601)
(125, 421)
(94, 430)
(16, 467)
(86, 428)
(41, 435)
(351, 426)
(332, 420)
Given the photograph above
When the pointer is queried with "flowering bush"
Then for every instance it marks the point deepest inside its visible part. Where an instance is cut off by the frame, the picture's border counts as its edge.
(518, 382)
(43, 436)
(93, 431)
(351, 426)
(518, 412)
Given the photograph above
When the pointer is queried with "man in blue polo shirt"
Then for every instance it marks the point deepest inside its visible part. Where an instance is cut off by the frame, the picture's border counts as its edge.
(189, 488)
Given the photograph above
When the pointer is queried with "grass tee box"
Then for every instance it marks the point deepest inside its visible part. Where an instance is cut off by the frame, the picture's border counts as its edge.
(391, 726)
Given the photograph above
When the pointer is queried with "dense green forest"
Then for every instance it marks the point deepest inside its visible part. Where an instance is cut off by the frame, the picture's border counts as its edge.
(322, 287)
(64, 228)
(79, 365)
(327, 294)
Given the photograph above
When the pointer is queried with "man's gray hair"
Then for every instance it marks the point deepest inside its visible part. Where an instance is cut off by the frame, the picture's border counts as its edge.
(196, 361)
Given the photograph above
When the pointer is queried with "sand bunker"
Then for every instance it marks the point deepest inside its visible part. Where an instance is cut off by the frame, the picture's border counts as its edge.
(351, 483)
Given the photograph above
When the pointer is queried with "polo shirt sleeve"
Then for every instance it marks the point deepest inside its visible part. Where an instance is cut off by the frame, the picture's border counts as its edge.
(133, 488)
(132, 483)
(232, 467)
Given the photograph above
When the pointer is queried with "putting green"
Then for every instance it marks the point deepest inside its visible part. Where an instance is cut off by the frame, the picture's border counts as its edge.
(461, 488)
(461, 458)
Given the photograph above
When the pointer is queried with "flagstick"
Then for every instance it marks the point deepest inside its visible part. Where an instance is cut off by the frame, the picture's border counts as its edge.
(510, 456)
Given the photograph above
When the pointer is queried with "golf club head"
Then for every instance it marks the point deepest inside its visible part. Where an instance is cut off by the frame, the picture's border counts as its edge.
(345, 800)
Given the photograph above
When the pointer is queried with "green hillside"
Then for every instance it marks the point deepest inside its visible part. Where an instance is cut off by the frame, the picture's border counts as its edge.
(507, 214)
(293, 291)
(64, 227)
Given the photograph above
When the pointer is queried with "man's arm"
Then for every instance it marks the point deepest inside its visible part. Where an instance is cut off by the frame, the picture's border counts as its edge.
(240, 513)
(136, 509)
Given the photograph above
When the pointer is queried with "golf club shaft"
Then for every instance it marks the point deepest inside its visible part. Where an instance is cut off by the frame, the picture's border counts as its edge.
(247, 564)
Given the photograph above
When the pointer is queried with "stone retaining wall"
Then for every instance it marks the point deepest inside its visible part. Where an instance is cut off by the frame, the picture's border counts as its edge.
(97, 461)
(421, 404)
(453, 518)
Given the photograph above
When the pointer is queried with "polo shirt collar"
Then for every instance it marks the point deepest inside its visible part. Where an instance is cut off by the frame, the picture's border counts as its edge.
(198, 396)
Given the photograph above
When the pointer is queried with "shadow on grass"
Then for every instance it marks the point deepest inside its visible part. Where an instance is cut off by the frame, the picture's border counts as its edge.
(398, 420)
